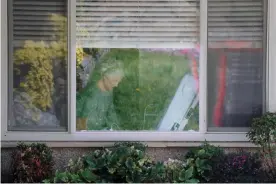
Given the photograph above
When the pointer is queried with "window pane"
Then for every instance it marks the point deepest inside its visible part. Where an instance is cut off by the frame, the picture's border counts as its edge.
(235, 63)
(137, 65)
(38, 65)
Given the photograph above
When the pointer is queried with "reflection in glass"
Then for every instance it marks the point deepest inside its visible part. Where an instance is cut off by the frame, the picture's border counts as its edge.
(235, 64)
(137, 65)
(138, 89)
(38, 59)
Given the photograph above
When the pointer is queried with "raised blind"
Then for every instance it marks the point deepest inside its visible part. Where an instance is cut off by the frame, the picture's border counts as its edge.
(137, 23)
(236, 20)
(31, 19)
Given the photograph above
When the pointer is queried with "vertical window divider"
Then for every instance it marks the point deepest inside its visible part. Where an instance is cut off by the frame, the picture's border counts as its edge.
(265, 57)
(271, 57)
(72, 66)
(4, 66)
(203, 66)
(10, 51)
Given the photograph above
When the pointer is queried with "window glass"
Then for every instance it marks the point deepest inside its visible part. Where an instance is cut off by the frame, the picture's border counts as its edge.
(137, 65)
(235, 63)
(38, 65)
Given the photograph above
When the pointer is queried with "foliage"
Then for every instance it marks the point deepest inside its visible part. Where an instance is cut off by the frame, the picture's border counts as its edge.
(263, 130)
(193, 122)
(240, 167)
(125, 162)
(38, 58)
(176, 171)
(39, 81)
(149, 83)
(263, 133)
(79, 56)
(213, 165)
(32, 163)
(204, 159)
(128, 163)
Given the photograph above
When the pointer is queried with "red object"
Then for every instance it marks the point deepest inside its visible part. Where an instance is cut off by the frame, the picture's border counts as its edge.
(221, 92)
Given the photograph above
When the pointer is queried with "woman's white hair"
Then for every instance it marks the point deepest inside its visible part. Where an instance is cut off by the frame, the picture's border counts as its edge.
(114, 68)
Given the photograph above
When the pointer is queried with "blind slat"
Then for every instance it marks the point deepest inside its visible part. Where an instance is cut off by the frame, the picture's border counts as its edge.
(32, 19)
(91, 24)
(130, 21)
(136, 14)
(136, 9)
(134, 4)
(240, 20)
(140, 29)
(103, 20)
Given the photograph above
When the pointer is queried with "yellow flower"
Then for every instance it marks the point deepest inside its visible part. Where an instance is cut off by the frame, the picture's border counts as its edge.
(137, 89)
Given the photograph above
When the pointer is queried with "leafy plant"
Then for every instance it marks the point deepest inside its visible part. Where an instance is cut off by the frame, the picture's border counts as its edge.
(127, 163)
(177, 171)
(38, 59)
(263, 133)
(38, 82)
(238, 167)
(32, 163)
(203, 159)
(124, 163)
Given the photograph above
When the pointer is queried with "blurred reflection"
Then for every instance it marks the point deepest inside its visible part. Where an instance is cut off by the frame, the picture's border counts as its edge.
(38, 57)
(138, 89)
(235, 78)
(95, 103)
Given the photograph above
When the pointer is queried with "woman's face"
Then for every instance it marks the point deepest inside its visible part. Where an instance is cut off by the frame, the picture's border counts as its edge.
(112, 80)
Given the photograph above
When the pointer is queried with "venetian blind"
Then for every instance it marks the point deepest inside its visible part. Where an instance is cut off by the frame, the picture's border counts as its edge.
(137, 23)
(236, 20)
(31, 19)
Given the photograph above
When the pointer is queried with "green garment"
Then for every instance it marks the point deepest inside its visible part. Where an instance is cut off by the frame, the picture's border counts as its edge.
(97, 106)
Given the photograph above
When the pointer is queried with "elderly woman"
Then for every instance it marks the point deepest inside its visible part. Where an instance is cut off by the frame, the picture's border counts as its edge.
(95, 109)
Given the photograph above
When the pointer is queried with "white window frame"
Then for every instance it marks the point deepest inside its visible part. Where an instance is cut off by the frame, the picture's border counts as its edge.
(167, 138)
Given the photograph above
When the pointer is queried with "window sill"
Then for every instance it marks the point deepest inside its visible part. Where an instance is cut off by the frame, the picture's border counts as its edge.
(91, 144)
(100, 139)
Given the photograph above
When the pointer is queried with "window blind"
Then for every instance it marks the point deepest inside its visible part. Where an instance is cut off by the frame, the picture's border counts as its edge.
(236, 20)
(137, 23)
(31, 19)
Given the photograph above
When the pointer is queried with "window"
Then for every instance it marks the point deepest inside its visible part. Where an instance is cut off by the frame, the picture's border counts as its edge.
(141, 64)
(151, 70)
(236, 63)
(37, 65)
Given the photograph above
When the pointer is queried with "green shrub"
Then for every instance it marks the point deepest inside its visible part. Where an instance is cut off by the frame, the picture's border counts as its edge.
(38, 82)
(128, 163)
(38, 58)
(32, 163)
(177, 171)
(263, 133)
(204, 159)
(240, 167)
(123, 163)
